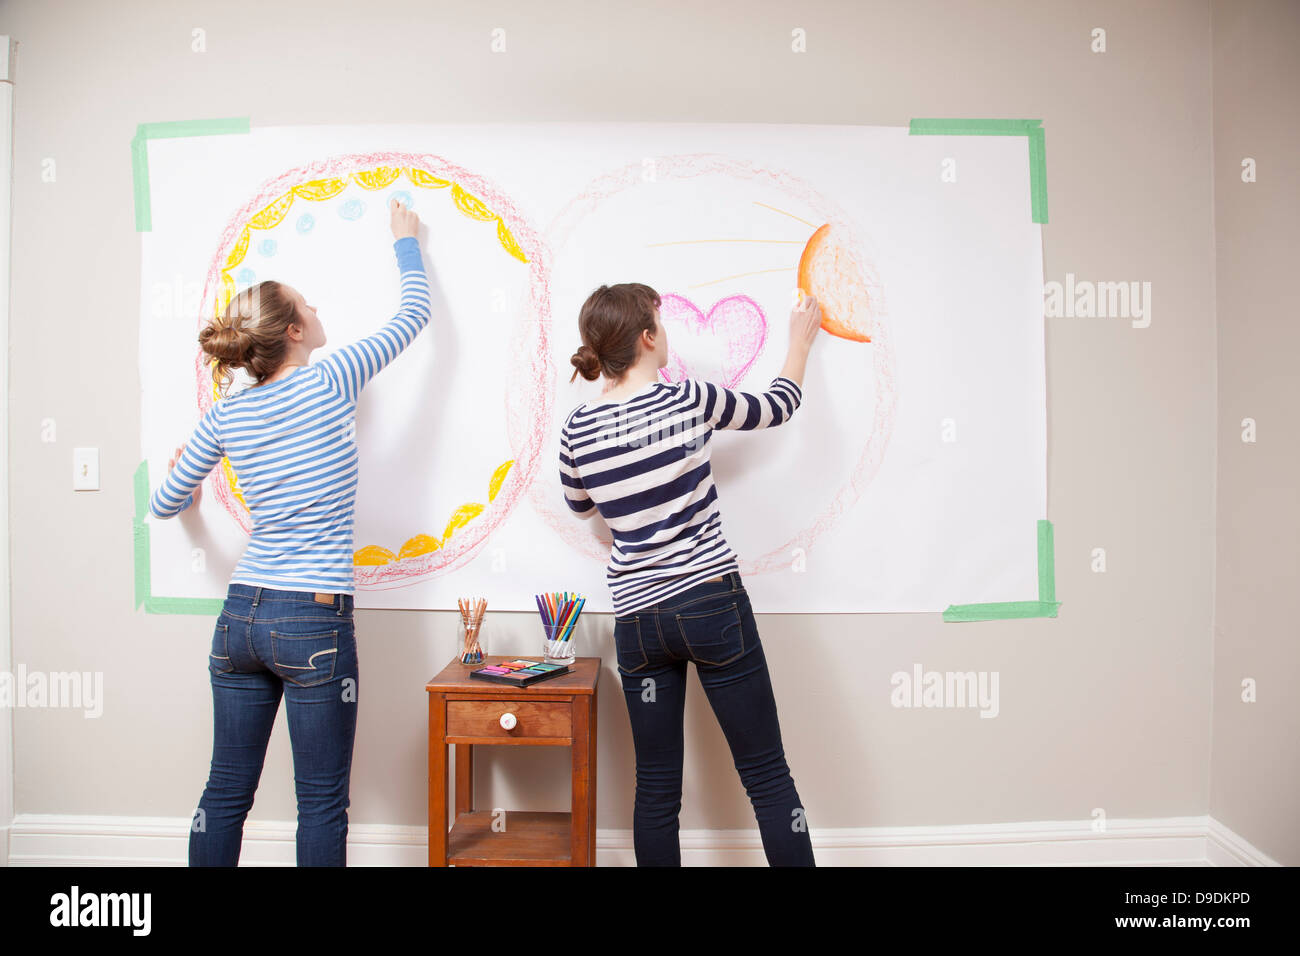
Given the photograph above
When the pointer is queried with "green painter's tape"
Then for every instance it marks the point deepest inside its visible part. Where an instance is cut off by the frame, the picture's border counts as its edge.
(163, 605)
(143, 577)
(140, 154)
(970, 127)
(1046, 564)
(1038, 174)
(140, 489)
(140, 183)
(1032, 130)
(141, 533)
(1046, 604)
(958, 613)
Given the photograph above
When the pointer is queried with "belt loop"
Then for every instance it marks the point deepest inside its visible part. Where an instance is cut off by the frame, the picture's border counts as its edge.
(257, 593)
(339, 602)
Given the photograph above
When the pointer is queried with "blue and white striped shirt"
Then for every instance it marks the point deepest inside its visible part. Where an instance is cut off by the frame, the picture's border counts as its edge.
(294, 452)
(643, 465)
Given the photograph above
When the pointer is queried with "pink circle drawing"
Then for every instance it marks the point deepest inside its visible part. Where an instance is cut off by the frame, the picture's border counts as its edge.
(740, 351)
(528, 415)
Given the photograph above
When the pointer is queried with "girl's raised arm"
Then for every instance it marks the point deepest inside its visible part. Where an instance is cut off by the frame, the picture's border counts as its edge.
(351, 367)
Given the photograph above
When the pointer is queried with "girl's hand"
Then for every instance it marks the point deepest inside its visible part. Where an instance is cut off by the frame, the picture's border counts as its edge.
(172, 464)
(805, 321)
(404, 222)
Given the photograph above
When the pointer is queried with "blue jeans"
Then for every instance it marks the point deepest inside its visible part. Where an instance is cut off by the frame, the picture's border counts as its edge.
(269, 642)
(713, 625)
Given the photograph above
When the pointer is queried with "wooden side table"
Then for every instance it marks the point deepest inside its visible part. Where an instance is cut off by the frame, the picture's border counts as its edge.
(560, 712)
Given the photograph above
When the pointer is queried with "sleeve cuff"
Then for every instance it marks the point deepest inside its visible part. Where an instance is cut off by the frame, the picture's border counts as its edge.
(408, 250)
(793, 387)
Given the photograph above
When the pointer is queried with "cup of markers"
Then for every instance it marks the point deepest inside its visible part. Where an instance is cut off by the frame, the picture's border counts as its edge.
(559, 611)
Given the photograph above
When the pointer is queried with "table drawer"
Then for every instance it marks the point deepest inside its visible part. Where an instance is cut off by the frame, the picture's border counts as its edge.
(533, 718)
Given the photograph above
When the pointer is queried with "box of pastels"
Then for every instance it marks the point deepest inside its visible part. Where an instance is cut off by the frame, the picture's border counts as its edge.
(519, 673)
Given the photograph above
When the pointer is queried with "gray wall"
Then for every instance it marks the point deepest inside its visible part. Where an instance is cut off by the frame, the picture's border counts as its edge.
(1255, 759)
(1107, 706)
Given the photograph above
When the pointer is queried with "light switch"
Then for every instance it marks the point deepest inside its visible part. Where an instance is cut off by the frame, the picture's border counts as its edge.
(85, 476)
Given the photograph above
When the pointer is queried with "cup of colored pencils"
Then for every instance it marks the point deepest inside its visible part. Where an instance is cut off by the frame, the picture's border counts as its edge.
(559, 611)
(471, 617)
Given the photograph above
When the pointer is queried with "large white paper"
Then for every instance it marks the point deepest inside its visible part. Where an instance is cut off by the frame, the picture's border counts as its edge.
(911, 478)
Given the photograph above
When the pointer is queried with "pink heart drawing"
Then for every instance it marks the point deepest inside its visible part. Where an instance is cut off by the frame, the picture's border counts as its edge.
(719, 347)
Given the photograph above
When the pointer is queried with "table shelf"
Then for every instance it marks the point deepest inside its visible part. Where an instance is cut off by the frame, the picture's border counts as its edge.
(530, 838)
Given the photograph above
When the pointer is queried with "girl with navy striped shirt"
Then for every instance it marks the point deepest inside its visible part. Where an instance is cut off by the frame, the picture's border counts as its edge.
(639, 457)
(286, 627)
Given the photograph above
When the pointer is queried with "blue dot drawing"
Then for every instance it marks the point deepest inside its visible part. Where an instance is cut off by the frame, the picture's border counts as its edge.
(245, 276)
(352, 209)
(306, 222)
(267, 247)
(401, 196)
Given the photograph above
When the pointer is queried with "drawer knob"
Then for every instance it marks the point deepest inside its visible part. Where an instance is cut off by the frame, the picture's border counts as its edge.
(508, 721)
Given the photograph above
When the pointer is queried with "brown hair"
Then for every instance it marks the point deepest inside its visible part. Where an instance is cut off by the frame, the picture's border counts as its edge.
(250, 333)
(610, 323)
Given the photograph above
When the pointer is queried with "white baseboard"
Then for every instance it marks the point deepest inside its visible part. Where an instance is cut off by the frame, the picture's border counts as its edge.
(64, 840)
(1226, 848)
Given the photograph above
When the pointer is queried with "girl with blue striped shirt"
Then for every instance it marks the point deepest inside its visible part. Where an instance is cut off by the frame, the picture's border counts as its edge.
(286, 627)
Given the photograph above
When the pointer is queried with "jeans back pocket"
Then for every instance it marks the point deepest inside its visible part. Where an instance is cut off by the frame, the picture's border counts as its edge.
(219, 656)
(628, 649)
(305, 659)
(713, 636)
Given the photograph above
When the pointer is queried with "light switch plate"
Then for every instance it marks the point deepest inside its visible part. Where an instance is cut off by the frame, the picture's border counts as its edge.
(85, 463)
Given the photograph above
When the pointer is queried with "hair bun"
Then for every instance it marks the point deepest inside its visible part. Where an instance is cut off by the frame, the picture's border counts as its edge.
(228, 344)
(587, 362)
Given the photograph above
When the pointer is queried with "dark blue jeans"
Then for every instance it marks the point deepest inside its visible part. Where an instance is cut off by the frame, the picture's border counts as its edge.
(713, 625)
(269, 643)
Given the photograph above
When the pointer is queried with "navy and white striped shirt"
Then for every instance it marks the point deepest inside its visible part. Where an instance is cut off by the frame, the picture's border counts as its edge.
(294, 452)
(643, 465)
